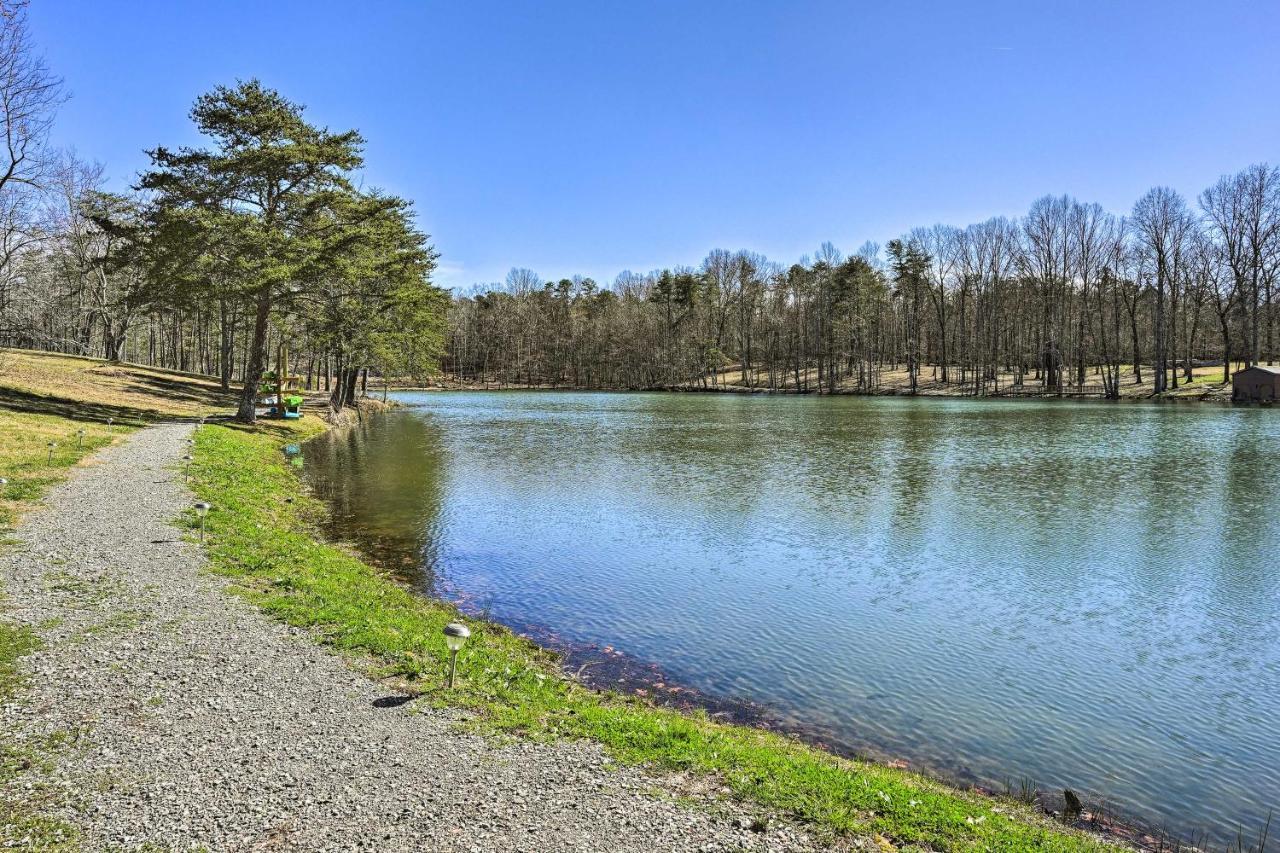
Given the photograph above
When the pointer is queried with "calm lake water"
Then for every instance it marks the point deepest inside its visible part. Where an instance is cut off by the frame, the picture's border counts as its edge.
(1086, 595)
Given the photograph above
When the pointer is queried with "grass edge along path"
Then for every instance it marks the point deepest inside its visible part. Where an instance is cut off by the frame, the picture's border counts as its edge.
(272, 550)
(31, 467)
(31, 470)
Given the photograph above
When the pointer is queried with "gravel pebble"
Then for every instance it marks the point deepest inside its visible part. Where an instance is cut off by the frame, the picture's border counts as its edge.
(204, 723)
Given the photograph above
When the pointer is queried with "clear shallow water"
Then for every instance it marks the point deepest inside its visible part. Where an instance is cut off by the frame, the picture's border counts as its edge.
(1086, 595)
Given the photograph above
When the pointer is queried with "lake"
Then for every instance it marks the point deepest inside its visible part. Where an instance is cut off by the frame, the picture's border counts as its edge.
(1085, 595)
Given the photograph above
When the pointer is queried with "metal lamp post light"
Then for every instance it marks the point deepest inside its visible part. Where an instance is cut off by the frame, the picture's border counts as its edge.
(455, 636)
(202, 510)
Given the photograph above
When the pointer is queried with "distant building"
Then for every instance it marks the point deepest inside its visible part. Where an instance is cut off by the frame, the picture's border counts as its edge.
(1257, 384)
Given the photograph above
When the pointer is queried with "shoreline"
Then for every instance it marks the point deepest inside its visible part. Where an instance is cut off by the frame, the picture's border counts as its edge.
(180, 713)
(1100, 817)
(621, 673)
(817, 788)
(267, 547)
(1219, 400)
(977, 803)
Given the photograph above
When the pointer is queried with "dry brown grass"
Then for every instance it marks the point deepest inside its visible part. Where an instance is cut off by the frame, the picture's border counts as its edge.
(48, 398)
(92, 389)
(1207, 383)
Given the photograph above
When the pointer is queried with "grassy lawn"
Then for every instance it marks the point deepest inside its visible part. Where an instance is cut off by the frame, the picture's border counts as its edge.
(91, 389)
(51, 398)
(1207, 381)
(31, 466)
(271, 551)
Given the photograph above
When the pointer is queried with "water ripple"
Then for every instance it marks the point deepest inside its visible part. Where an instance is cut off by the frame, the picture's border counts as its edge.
(1086, 595)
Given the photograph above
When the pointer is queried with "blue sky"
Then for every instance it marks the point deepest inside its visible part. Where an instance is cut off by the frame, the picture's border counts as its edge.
(593, 137)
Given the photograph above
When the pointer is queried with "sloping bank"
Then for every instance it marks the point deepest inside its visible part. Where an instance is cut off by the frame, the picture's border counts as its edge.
(263, 534)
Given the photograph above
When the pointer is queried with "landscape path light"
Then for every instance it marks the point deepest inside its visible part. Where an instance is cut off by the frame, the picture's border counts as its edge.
(202, 510)
(455, 636)
(186, 471)
(80, 438)
(53, 445)
(110, 421)
(3, 483)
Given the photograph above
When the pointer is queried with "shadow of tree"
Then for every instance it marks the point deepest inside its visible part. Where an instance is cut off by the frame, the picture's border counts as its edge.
(271, 425)
(25, 401)
(182, 391)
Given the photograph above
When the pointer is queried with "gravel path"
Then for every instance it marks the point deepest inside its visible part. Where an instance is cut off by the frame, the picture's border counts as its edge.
(204, 724)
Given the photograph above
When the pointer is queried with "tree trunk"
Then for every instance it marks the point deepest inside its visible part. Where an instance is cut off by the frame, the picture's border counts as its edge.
(350, 382)
(247, 413)
(226, 346)
(339, 391)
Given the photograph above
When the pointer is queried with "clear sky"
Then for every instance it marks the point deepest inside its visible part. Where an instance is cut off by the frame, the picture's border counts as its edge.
(592, 137)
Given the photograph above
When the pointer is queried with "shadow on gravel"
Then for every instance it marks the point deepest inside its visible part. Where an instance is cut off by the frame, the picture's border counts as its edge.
(391, 701)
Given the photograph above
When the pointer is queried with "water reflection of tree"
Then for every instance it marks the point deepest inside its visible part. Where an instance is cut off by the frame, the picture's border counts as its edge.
(1245, 564)
(1067, 574)
(384, 483)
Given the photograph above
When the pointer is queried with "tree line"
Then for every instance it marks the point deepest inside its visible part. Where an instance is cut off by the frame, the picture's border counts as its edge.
(218, 254)
(1066, 297)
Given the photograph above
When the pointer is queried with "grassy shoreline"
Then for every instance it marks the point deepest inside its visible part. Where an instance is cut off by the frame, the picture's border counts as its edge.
(1219, 398)
(264, 535)
(1205, 387)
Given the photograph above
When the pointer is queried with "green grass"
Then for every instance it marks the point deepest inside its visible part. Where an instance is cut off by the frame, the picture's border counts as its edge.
(26, 461)
(48, 397)
(272, 552)
(16, 641)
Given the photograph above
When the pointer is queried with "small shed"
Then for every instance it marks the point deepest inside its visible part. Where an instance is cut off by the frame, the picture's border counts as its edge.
(1257, 384)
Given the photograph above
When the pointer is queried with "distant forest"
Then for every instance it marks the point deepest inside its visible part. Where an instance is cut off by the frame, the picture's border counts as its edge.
(1066, 295)
(219, 254)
